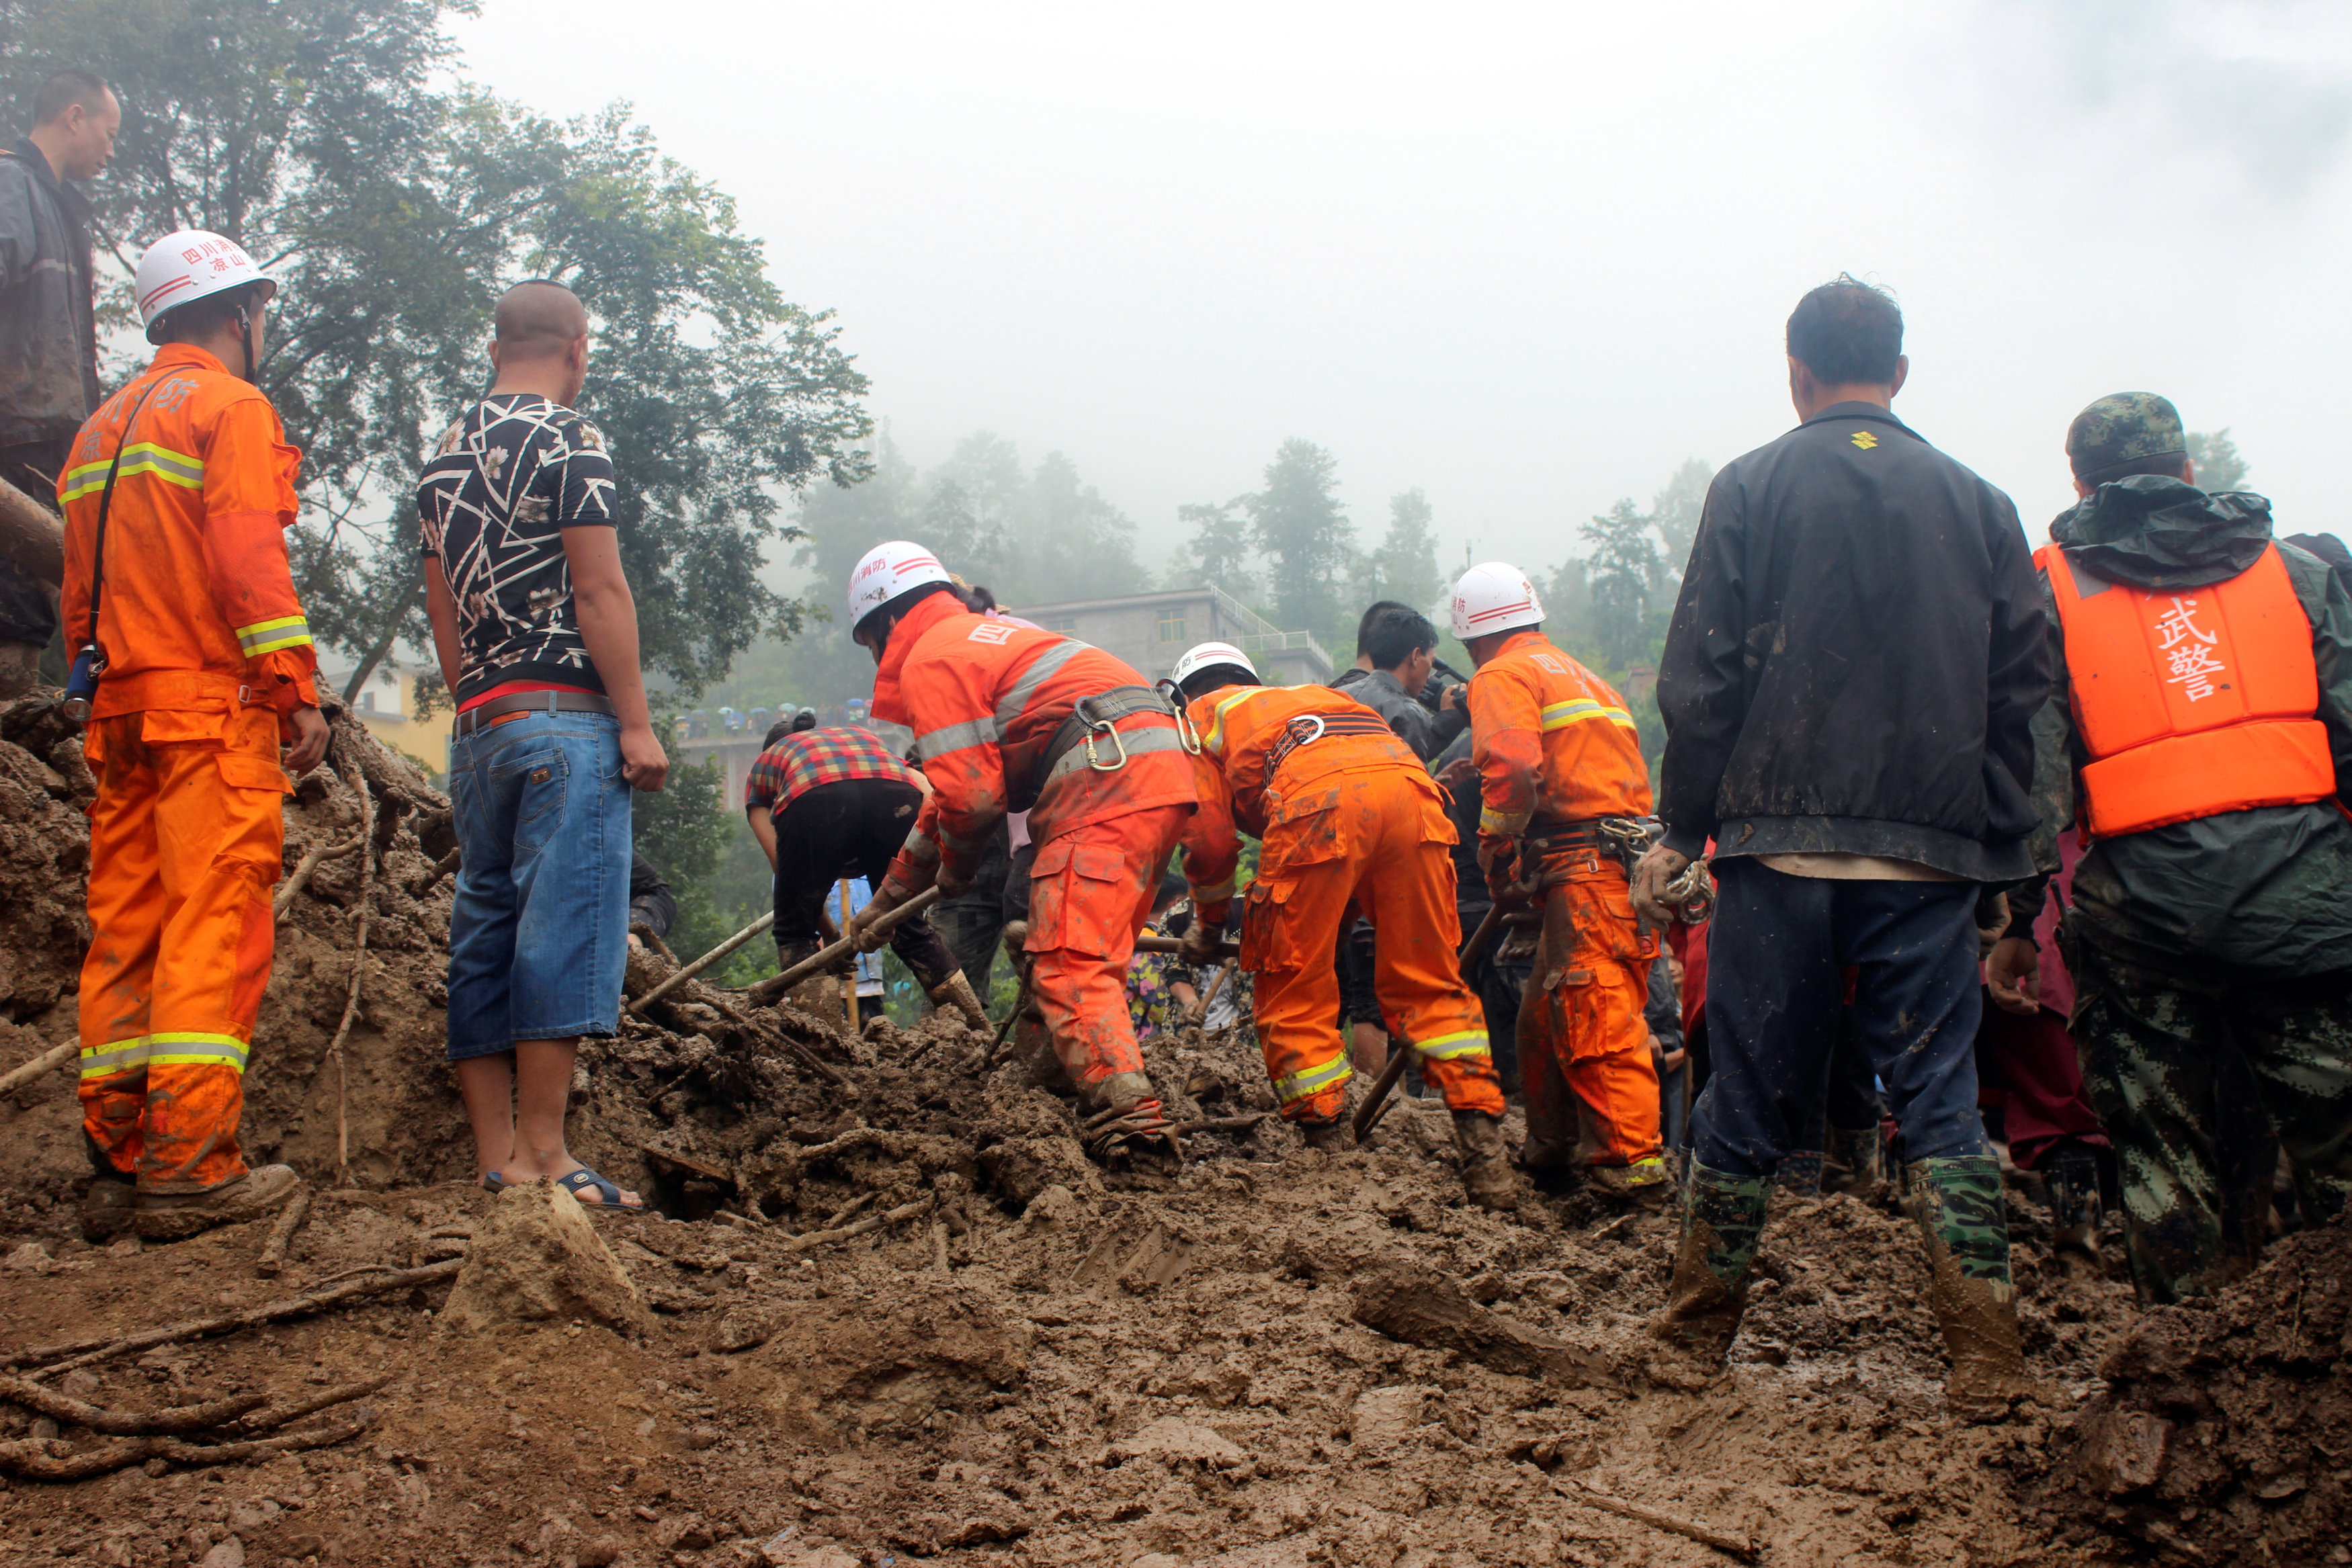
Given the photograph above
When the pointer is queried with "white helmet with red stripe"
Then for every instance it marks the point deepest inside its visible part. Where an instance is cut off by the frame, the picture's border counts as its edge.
(1494, 598)
(889, 571)
(184, 268)
(1203, 656)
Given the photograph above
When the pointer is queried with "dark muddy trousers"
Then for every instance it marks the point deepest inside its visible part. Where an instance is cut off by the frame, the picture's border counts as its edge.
(973, 923)
(849, 828)
(1774, 994)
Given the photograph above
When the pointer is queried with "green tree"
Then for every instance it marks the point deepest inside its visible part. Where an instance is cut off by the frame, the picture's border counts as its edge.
(1297, 521)
(1217, 551)
(2219, 465)
(1626, 575)
(1675, 512)
(1406, 566)
(394, 202)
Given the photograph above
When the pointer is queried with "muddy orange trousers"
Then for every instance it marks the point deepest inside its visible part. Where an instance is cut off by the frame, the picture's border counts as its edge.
(186, 840)
(1374, 844)
(1585, 1067)
(1089, 892)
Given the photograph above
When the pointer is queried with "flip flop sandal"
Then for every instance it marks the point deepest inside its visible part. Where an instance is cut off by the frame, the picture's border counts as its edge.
(608, 1194)
(495, 1181)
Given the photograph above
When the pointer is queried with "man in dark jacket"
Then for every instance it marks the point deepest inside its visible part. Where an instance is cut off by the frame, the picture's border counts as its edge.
(1848, 685)
(49, 339)
(2209, 915)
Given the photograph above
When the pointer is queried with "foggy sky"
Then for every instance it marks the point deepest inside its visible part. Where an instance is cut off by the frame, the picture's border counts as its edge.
(1525, 257)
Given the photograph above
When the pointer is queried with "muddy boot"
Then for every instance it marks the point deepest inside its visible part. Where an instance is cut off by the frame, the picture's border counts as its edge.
(1332, 1137)
(1856, 1162)
(107, 1207)
(1486, 1165)
(1121, 1123)
(956, 992)
(2071, 1177)
(1723, 1222)
(1643, 1183)
(1960, 1218)
(1800, 1174)
(173, 1217)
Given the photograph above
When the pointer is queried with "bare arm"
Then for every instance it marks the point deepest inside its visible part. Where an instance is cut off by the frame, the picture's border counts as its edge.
(763, 828)
(441, 609)
(608, 625)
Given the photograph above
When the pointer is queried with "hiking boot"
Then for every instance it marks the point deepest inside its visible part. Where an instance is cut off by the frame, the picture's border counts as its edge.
(107, 1207)
(1485, 1164)
(956, 992)
(1332, 1136)
(1723, 1224)
(1643, 1183)
(1855, 1161)
(2071, 1177)
(1960, 1218)
(1122, 1123)
(176, 1215)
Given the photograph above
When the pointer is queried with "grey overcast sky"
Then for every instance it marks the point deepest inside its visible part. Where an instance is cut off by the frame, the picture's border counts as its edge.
(1528, 258)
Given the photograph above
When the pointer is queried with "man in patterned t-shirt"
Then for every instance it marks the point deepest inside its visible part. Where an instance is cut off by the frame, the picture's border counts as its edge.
(537, 636)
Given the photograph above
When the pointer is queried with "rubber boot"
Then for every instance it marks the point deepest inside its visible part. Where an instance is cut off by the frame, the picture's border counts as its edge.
(1856, 1161)
(106, 1207)
(1121, 1121)
(1331, 1137)
(1800, 1174)
(1486, 1165)
(2071, 1177)
(956, 992)
(1960, 1216)
(1642, 1184)
(1723, 1223)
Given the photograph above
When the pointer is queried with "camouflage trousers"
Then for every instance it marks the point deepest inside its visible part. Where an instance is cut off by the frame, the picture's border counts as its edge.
(2155, 1047)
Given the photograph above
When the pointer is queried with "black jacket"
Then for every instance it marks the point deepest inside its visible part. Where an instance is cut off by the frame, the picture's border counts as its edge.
(49, 341)
(1427, 732)
(1855, 658)
(2258, 893)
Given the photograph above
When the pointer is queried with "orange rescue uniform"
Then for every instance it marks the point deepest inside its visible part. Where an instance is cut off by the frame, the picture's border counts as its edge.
(208, 656)
(985, 697)
(1350, 823)
(1556, 750)
(2191, 704)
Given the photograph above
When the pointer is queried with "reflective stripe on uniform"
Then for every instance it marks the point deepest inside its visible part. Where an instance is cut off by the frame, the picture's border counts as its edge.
(1211, 894)
(1298, 1086)
(1136, 742)
(1560, 715)
(1213, 743)
(114, 1056)
(186, 1048)
(1446, 1046)
(948, 738)
(269, 636)
(139, 457)
(1024, 690)
(918, 848)
(1509, 824)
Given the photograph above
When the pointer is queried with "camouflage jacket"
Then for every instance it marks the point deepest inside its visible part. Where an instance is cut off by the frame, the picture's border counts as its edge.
(2256, 894)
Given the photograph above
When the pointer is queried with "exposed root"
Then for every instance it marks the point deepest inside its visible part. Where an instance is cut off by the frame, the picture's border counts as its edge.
(281, 1234)
(30, 1459)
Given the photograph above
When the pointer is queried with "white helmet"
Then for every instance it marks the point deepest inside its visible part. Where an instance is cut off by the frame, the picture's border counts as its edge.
(1494, 598)
(889, 571)
(183, 268)
(1203, 656)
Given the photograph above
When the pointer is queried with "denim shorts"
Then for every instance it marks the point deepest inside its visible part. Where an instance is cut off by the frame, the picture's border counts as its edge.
(539, 932)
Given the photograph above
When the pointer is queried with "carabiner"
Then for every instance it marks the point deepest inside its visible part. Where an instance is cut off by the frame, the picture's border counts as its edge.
(1186, 735)
(1116, 745)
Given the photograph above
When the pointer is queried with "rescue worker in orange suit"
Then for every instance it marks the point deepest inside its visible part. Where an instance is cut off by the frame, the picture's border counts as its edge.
(2201, 734)
(1009, 717)
(1556, 753)
(1350, 823)
(177, 493)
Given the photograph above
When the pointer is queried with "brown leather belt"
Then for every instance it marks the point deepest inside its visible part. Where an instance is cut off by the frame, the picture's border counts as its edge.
(516, 705)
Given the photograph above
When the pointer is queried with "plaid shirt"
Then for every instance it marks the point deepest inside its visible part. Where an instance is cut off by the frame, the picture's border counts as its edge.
(813, 756)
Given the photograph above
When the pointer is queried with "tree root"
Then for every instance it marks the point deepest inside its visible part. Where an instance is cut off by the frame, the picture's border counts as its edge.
(281, 1235)
(52, 1359)
(816, 1238)
(303, 868)
(357, 778)
(31, 1459)
(1740, 1546)
(68, 1411)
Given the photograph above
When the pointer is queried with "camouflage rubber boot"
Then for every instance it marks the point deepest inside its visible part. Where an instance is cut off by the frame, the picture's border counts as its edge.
(1856, 1162)
(1800, 1174)
(956, 992)
(1485, 1164)
(1959, 1211)
(2071, 1179)
(1723, 1222)
(1331, 1138)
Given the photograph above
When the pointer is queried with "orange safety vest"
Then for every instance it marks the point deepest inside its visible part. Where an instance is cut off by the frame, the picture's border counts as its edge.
(197, 611)
(2190, 703)
(1552, 740)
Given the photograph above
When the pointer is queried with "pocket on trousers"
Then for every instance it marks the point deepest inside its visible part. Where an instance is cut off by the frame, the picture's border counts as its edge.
(1303, 832)
(240, 770)
(1268, 941)
(1078, 895)
(540, 782)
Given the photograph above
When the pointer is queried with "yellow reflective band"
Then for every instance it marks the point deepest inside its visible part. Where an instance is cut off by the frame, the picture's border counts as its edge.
(1446, 1046)
(139, 457)
(182, 1049)
(1213, 743)
(1210, 894)
(1560, 715)
(114, 1056)
(1298, 1086)
(269, 636)
(1511, 823)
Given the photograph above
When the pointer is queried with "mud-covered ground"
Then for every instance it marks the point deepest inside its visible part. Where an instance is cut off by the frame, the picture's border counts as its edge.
(1035, 1363)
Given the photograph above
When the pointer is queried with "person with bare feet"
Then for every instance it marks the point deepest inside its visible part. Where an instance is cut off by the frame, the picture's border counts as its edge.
(537, 636)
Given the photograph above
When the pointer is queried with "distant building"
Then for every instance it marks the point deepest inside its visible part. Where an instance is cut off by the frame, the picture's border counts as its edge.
(1151, 630)
(386, 704)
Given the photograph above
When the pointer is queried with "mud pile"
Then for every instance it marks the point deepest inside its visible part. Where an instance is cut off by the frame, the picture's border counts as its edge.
(2224, 1429)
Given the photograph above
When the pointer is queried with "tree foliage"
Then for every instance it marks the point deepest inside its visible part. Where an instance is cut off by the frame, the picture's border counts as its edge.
(2219, 465)
(394, 202)
(1625, 574)
(1406, 566)
(1303, 530)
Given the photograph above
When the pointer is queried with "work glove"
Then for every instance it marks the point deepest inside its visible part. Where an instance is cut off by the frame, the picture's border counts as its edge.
(1657, 867)
(1499, 856)
(861, 929)
(1201, 941)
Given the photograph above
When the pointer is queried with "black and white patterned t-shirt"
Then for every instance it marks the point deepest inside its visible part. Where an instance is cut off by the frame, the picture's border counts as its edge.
(507, 479)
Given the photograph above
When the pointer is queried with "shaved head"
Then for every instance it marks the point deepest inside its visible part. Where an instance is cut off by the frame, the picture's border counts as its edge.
(538, 318)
